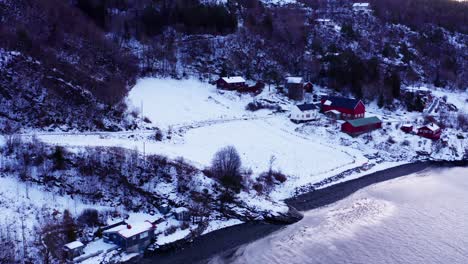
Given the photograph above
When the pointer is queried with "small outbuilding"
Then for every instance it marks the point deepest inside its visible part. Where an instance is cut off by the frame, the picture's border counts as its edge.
(431, 131)
(295, 87)
(303, 113)
(182, 214)
(73, 249)
(231, 83)
(361, 125)
(333, 114)
(308, 87)
(407, 128)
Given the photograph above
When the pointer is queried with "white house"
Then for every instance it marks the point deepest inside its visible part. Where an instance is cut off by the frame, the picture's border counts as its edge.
(361, 6)
(304, 113)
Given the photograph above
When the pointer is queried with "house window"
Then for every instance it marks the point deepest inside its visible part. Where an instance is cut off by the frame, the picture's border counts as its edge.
(143, 235)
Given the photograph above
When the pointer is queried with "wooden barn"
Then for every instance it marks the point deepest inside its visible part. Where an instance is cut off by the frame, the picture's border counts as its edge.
(131, 238)
(431, 131)
(407, 128)
(349, 108)
(295, 87)
(303, 113)
(231, 83)
(362, 125)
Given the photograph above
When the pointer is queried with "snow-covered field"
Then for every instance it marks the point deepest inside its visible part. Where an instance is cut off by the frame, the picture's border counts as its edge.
(212, 120)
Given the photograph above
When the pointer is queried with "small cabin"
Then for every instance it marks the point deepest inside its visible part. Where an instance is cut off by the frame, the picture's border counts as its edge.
(407, 128)
(361, 125)
(182, 214)
(133, 238)
(73, 249)
(431, 131)
(295, 87)
(231, 83)
(348, 107)
(308, 87)
(303, 113)
(333, 114)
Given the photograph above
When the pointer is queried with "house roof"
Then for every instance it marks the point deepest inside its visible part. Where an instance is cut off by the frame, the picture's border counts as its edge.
(74, 245)
(361, 5)
(364, 121)
(407, 125)
(432, 127)
(343, 102)
(135, 229)
(294, 80)
(233, 79)
(306, 107)
(333, 111)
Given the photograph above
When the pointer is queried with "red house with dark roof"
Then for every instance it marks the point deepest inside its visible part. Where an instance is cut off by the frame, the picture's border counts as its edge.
(431, 131)
(349, 108)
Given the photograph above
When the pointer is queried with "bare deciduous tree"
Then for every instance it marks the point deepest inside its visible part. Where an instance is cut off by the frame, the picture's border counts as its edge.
(226, 166)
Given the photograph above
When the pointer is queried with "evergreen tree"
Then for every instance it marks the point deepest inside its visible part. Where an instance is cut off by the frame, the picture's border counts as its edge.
(58, 158)
(381, 101)
(69, 226)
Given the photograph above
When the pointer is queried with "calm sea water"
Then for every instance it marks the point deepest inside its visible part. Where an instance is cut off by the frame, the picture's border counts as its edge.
(420, 218)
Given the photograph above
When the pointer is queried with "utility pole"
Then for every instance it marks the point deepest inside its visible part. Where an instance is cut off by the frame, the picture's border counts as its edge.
(141, 108)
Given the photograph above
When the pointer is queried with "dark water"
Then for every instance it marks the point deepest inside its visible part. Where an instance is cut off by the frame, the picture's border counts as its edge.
(419, 218)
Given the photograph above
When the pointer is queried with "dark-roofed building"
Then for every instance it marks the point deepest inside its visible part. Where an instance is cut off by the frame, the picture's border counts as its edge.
(295, 87)
(303, 113)
(348, 107)
(361, 125)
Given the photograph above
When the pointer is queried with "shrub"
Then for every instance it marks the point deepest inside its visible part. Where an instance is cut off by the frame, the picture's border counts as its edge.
(89, 217)
(170, 230)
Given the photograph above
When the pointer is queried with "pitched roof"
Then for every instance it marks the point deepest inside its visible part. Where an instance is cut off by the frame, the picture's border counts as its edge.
(306, 107)
(135, 229)
(73, 245)
(433, 127)
(233, 79)
(294, 79)
(361, 5)
(343, 102)
(364, 121)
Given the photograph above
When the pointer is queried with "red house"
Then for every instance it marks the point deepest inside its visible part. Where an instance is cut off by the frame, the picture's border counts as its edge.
(407, 128)
(231, 83)
(349, 108)
(431, 131)
(361, 125)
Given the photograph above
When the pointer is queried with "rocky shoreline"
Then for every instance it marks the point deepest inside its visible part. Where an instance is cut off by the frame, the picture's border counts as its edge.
(228, 239)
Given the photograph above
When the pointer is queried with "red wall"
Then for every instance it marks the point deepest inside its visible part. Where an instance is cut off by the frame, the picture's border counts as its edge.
(348, 128)
(360, 109)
